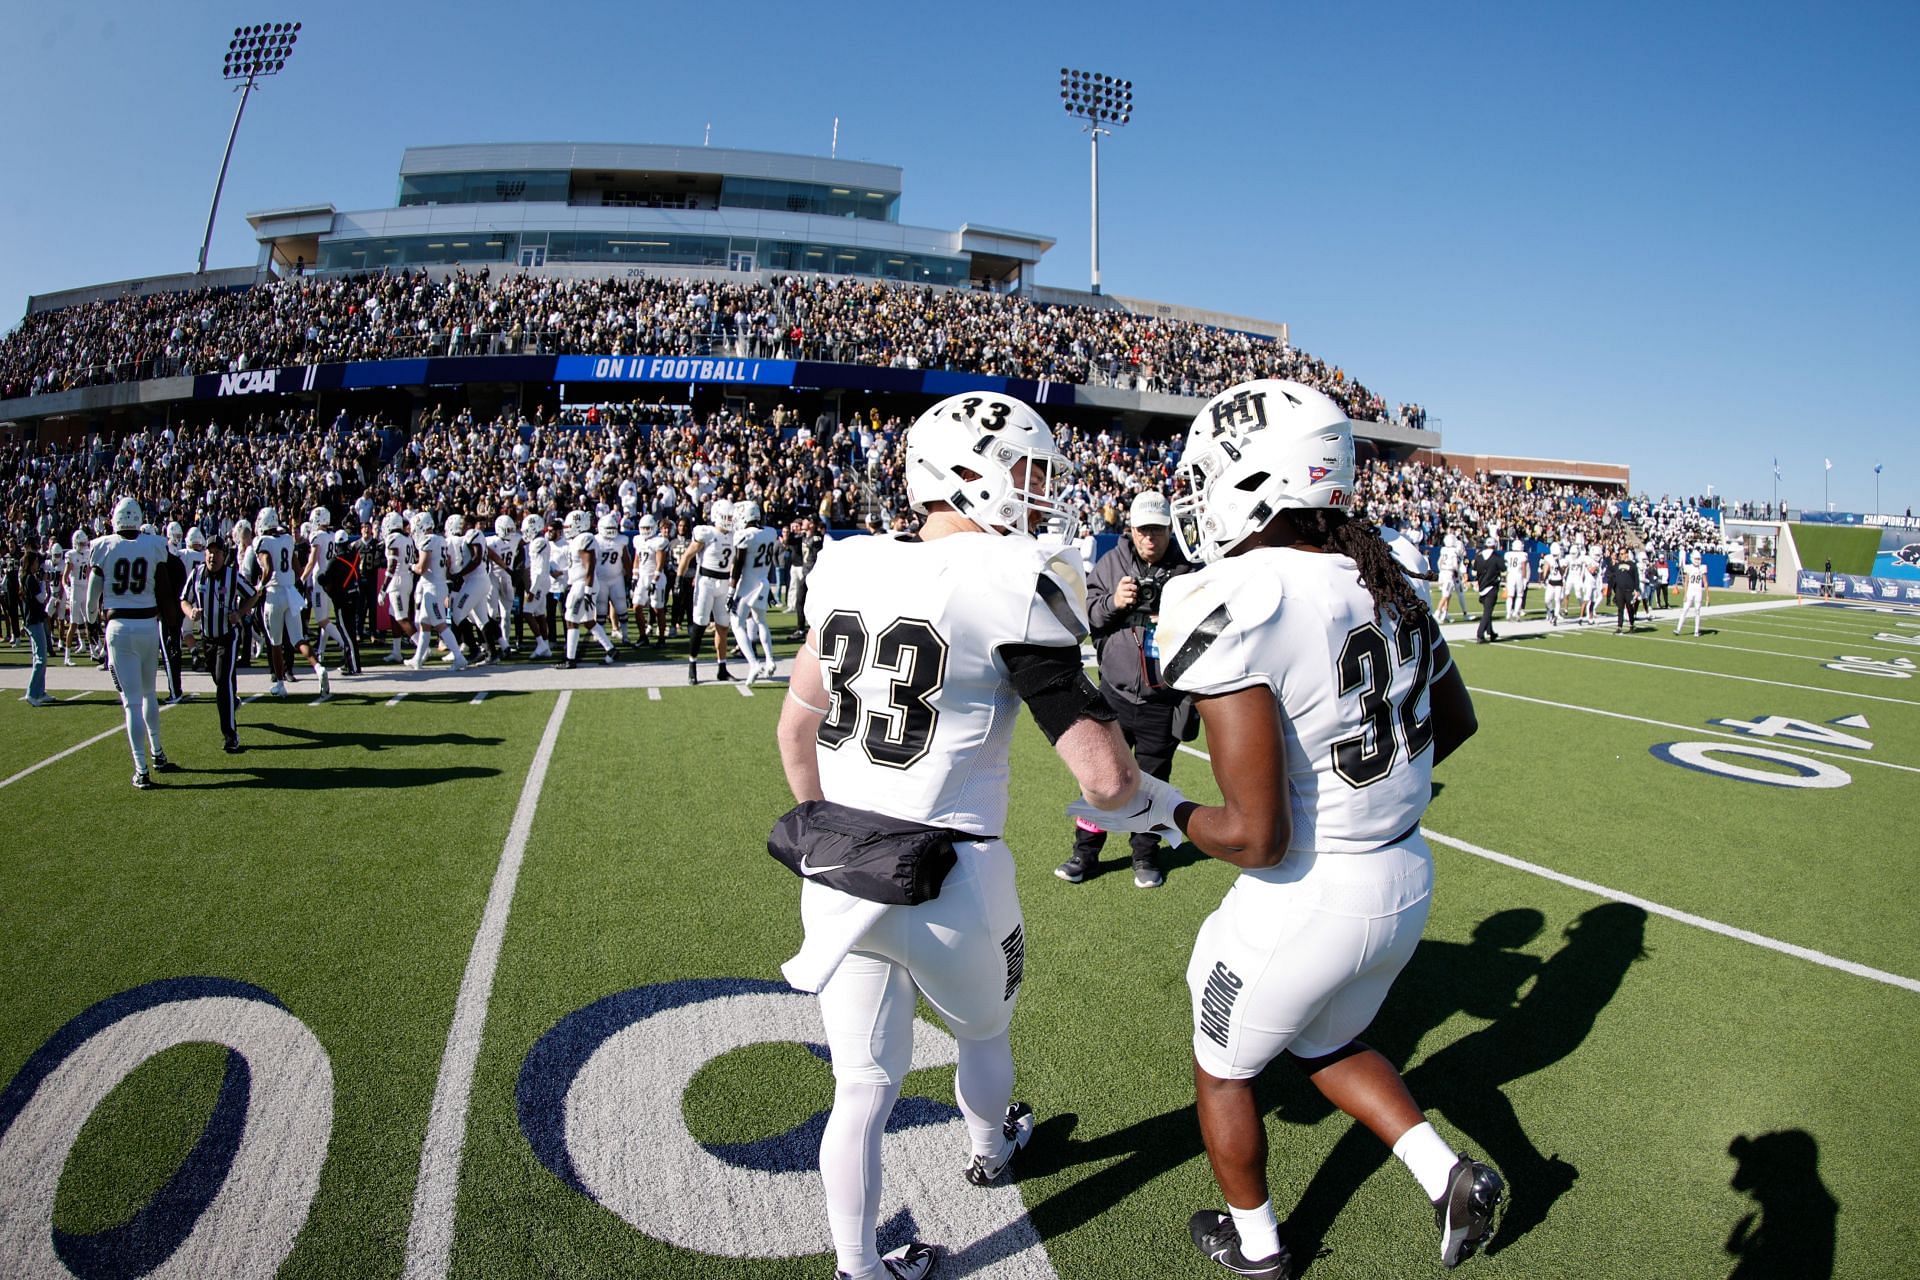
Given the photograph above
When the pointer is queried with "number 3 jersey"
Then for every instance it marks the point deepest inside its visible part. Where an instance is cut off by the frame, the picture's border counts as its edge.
(909, 634)
(1351, 683)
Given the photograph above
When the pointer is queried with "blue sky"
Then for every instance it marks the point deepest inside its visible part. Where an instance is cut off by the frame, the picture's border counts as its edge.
(1676, 236)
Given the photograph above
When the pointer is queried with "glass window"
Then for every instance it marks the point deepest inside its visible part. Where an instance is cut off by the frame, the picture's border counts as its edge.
(488, 187)
(809, 197)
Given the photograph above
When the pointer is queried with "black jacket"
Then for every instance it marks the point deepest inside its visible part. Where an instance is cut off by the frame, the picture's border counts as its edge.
(1123, 665)
(1487, 566)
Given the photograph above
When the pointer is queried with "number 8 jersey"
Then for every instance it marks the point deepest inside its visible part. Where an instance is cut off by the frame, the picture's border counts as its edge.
(1351, 683)
(909, 635)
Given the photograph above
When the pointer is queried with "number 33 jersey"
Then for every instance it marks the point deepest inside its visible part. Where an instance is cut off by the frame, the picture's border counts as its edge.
(1351, 683)
(909, 633)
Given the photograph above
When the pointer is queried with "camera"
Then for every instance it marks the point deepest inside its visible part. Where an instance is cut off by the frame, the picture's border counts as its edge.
(1146, 600)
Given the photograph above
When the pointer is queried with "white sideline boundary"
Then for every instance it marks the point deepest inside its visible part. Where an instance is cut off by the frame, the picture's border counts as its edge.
(430, 1234)
(1654, 908)
(1717, 675)
(1701, 642)
(58, 756)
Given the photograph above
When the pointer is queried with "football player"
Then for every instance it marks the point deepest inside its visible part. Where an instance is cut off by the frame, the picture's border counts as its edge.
(610, 574)
(504, 547)
(81, 601)
(533, 601)
(1553, 576)
(1518, 575)
(430, 595)
(902, 703)
(754, 548)
(326, 618)
(1450, 564)
(710, 553)
(1694, 575)
(650, 581)
(468, 581)
(583, 607)
(1328, 695)
(1593, 577)
(273, 553)
(398, 549)
(128, 562)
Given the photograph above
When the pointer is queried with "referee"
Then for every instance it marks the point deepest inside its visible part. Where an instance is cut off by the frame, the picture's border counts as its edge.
(219, 599)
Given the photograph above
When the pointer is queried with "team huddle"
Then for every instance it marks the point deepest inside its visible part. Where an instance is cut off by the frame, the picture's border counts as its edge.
(1327, 695)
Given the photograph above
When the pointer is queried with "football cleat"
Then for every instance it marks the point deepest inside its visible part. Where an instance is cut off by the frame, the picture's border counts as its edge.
(1018, 1128)
(1465, 1213)
(909, 1262)
(141, 782)
(325, 687)
(606, 658)
(277, 689)
(163, 765)
(1215, 1235)
(693, 673)
(723, 674)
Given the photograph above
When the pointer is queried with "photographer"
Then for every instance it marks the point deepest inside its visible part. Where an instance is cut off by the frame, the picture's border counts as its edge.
(1123, 605)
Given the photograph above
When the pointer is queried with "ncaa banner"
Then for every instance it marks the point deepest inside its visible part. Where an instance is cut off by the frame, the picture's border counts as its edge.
(769, 373)
(269, 382)
(1853, 586)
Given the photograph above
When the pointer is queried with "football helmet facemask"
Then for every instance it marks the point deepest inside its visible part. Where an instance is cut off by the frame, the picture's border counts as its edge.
(1254, 450)
(965, 451)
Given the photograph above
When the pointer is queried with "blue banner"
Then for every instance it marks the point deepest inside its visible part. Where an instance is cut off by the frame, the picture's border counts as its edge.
(1853, 586)
(770, 373)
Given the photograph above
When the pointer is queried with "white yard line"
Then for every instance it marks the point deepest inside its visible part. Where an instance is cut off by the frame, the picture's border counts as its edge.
(479, 697)
(1717, 675)
(745, 690)
(58, 756)
(1785, 744)
(653, 694)
(394, 701)
(75, 697)
(1702, 642)
(1655, 908)
(1849, 639)
(430, 1235)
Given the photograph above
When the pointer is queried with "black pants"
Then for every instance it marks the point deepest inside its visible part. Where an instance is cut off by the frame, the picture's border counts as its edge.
(170, 655)
(226, 659)
(1487, 596)
(1627, 610)
(1148, 728)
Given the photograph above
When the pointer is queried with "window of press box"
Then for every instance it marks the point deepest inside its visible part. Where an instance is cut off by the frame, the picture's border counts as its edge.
(492, 187)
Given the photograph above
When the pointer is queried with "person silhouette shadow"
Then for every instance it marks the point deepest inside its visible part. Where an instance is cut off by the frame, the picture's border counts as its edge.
(1462, 1080)
(1792, 1231)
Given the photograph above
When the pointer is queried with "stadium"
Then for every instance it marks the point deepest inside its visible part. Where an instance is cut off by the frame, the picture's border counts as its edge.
(442, 944)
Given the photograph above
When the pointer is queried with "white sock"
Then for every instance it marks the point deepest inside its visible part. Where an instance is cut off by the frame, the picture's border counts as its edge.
(1259, 1232)
(600, 635)
(573, 643)
(850, 1170)
(983, 1086)
(1427, 1157)
(421, 641)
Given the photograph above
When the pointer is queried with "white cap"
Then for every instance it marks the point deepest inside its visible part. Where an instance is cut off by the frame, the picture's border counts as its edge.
(1150, 508)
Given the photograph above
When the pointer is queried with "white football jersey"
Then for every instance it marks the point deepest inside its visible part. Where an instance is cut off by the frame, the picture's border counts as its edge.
(1552, 572)
(322, 544)
(908, 633)
(401, 555)
(716, 551)
(505, 547)
(1351, 683)
(580, 552)
(1449, 559)
(754, 549)
(284, 580)
(128, 567)
(560, 563)
(539, 562)
(1516, 567)
(609, 549)
(79, 569)
(439, 562)
(1695, 576)
(646, 560)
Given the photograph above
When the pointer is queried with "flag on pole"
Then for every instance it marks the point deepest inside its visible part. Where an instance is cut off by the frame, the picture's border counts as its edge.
(1776, 468)
(1829, 464)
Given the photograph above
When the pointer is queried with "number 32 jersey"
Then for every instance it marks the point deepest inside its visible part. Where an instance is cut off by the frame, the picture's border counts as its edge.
(1351, 683)
(909, 634)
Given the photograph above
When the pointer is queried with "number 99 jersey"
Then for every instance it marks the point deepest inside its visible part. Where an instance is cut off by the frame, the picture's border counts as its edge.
(1351, 683)
(908, 634)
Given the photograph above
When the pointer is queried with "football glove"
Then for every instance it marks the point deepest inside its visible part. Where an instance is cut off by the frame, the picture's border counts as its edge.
(1151, 810)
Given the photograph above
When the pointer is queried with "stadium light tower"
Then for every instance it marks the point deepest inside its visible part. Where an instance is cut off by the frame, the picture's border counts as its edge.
(1105, 102)
(256, 51)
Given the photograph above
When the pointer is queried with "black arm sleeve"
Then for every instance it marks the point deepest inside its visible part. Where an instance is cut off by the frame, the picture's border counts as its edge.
(1053, 684)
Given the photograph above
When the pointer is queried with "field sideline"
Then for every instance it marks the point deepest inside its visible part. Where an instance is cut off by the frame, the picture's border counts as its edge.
(447, 985)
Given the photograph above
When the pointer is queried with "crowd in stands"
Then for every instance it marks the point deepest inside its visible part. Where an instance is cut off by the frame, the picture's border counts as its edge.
(311, 319)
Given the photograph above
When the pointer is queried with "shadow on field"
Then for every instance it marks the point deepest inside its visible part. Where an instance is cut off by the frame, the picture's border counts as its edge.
(298, 778)
(1461, 1080)
(1792, 1232)
(317, 739)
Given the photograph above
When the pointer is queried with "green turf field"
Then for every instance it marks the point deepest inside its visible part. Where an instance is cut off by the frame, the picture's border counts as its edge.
(1851, 547)
(225, 1035)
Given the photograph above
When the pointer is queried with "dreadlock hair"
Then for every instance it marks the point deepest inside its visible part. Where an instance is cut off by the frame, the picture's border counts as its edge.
(1358, 539)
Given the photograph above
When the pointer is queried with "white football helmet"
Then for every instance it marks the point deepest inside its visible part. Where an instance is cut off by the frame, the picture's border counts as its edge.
(422, 524)
(196, 539)
(242, 531)
(530, 526)
(176, 536)
(79, 540)
(127, 515)
(648, 524)
(1555, 550)
(748, 513)
(964, 451)
(1517, 546)
(1254, 450)
(577, 523)
(609, 525)
(392, 522)
(320, 518)
(723, 515)
(1695, 557)
(456, 525)
(503, 526)
(268, 521)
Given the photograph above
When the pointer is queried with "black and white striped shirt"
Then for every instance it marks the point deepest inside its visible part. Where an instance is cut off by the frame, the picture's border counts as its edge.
(220, 595)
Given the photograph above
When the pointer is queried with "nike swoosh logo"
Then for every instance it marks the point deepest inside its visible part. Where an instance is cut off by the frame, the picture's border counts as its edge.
(806, 870)
(1142, 810)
